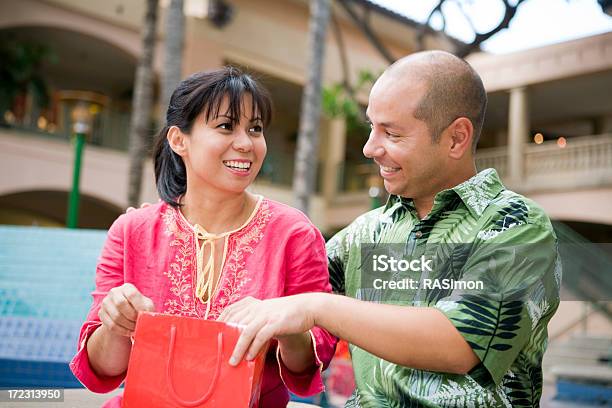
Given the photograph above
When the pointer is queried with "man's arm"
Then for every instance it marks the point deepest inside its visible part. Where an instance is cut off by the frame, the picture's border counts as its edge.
(416, 337)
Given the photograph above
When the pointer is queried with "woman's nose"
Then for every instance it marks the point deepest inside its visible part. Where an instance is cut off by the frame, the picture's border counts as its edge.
(243, 142)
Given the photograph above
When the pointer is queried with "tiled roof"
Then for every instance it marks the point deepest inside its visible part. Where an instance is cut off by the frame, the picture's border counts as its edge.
(401, 18)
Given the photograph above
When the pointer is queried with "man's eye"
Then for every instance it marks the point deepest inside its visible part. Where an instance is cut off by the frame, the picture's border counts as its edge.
(225, 126)
(392, 135)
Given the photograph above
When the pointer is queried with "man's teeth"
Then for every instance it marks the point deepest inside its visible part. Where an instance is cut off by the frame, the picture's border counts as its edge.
(237, 165)
(389, 168)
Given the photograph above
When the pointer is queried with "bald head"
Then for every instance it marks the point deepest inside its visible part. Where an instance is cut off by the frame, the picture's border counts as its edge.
(454, 89)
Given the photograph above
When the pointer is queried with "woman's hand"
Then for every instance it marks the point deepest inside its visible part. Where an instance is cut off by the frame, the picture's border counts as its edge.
(285, 319)
(120, 308)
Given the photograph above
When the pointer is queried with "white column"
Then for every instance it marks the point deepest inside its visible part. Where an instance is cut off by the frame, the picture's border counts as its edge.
(333, 157)
(518, 134)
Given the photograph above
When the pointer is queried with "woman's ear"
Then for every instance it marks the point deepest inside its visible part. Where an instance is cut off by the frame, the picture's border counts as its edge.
(177, 140)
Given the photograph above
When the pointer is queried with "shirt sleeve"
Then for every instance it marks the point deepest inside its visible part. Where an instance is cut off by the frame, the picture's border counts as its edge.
(306, 271)
(336, 257)
(516, 268)
(109, 274)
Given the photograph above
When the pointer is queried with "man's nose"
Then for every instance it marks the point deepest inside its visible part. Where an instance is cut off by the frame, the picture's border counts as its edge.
(372, 148)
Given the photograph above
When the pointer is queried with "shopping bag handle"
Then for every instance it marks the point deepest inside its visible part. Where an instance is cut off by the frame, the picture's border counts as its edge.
(202, 399)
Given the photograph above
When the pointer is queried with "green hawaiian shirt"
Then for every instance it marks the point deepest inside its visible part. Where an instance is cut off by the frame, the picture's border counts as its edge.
(479, 231)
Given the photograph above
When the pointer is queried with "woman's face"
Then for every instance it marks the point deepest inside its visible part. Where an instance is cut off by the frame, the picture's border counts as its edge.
(222, 155)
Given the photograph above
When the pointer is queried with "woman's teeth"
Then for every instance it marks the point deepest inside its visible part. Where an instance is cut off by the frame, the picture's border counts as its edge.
(389, 169)
(237, 165)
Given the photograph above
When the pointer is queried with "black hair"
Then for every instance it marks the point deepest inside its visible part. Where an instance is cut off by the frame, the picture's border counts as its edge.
(202, 93)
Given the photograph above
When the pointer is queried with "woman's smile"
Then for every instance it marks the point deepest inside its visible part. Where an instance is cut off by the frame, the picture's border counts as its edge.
(238, 167)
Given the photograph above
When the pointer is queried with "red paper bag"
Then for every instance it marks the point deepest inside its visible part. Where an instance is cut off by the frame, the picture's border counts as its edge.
(183, 362)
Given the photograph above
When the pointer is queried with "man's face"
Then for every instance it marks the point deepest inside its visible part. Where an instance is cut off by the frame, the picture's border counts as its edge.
(411, 164)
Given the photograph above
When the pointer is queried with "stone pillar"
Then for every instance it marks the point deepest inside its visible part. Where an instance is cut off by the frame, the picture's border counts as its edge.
(333, 157)
(518, 134)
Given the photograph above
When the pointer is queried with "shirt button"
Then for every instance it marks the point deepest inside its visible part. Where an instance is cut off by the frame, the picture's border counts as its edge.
(418, 234)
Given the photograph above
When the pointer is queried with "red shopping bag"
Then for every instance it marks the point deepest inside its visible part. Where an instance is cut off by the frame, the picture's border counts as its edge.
(183, 362)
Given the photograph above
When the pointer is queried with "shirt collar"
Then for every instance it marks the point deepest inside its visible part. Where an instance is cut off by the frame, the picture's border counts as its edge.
(476, 193)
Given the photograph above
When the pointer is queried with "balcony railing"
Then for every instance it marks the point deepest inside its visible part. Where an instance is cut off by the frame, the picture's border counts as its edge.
(580, 154)
(583, 161)
(110, 130)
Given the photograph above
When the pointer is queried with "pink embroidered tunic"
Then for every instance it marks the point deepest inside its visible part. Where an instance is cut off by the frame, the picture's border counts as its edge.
(278, 252)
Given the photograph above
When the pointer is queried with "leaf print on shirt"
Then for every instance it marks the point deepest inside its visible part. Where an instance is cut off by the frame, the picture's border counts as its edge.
(520, 394)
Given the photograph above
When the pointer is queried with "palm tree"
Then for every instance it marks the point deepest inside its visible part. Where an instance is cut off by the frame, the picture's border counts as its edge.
(307, 152)
(141, 104)
(173, 47)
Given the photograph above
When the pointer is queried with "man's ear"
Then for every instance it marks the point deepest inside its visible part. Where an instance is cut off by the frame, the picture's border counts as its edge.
(177, 140)
(461, 133)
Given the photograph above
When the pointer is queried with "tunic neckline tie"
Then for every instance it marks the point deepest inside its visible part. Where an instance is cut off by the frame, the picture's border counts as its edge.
(204, 282)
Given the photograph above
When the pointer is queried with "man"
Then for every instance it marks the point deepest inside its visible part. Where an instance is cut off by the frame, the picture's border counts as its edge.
(432, 347)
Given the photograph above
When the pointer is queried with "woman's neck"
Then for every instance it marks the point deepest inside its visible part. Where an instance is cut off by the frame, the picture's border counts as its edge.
(218, 214)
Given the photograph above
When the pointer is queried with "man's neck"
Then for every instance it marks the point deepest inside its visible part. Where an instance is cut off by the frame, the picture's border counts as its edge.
(425, 203)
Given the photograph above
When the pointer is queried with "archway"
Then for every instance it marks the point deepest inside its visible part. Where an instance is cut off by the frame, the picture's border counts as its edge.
(74, 61)
(48, 208)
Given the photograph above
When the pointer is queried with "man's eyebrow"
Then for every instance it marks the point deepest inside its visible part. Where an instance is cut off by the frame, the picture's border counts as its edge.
(383, 124)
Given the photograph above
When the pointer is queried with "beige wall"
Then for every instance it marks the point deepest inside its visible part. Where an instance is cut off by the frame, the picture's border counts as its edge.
(589, 205)
(270, 36)
(34, 163)
(563, 60)
(37, 13)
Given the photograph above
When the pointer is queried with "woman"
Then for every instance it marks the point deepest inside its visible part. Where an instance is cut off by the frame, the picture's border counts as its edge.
(209, 242)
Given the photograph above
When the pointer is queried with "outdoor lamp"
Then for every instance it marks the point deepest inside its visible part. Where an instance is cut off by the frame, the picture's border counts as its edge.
(81, 118)
(82, 106)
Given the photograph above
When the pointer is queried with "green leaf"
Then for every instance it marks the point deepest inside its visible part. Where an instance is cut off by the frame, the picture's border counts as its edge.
(501, 347)
(511, 320)
(474, 345)
(506, 335)
(472, 330)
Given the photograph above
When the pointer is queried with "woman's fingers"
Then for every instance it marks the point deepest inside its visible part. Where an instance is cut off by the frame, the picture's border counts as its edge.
(137, 300)
(117, 300)
(120, 308)
(112, 324)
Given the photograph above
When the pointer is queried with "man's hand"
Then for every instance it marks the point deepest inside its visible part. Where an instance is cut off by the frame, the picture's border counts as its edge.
(143, 205)
(261, 320)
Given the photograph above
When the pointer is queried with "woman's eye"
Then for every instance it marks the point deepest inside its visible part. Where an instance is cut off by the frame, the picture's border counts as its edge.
(225, 126)
(256, 129)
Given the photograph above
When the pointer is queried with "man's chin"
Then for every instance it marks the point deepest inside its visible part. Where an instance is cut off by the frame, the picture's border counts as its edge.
(392, 188)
